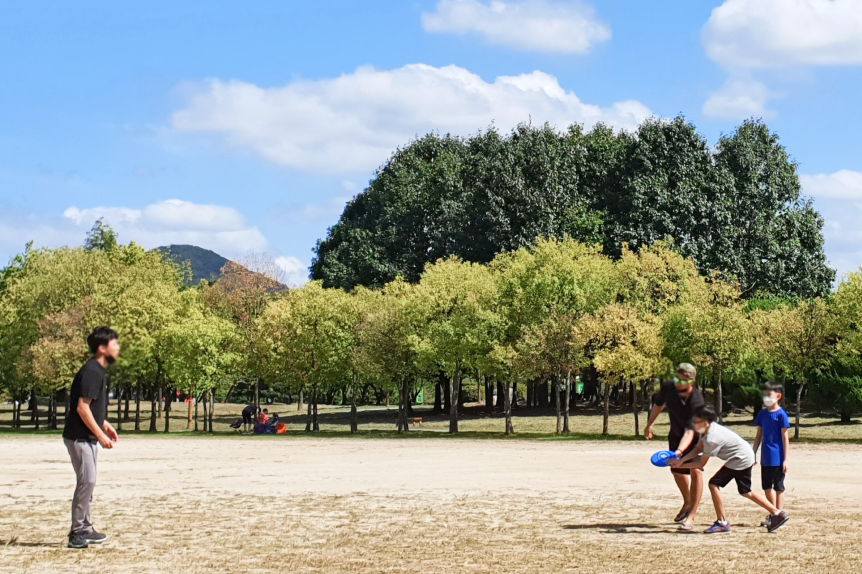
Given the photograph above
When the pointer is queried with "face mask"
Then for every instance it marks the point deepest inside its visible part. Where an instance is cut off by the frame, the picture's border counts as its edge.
(769, 401)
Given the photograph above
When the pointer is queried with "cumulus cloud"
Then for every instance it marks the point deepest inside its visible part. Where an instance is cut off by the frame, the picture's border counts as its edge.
(739, 99)
(295, 271)
(779, 33)
(533, 25)
(353, 123)
(844, 184)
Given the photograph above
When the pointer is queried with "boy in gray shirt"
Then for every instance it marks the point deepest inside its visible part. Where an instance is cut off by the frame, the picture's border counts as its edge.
(738, 456)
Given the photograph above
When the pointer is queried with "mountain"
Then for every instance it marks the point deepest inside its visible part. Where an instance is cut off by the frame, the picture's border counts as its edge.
(205, 264)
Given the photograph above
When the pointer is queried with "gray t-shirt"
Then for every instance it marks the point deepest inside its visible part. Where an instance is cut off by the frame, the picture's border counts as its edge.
(723, 443)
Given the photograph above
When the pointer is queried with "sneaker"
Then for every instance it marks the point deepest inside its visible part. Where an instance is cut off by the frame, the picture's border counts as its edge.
(765, 523)
(682, 516)
(77, 540)
(777, 521)
(718, 528)
(94, 537)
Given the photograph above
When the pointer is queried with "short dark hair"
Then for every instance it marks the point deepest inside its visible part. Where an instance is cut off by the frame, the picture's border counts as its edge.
(774, 387)
(100, 336)
(705, 413)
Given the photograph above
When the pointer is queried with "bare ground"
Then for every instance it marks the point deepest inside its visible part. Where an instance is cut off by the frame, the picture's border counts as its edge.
(276, 504)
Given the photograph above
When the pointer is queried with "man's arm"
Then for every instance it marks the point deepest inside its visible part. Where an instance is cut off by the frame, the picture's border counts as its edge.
(758, 438)
(694, 453)
(686, 441)
(87, 416)
(785, 436)
(648, 431)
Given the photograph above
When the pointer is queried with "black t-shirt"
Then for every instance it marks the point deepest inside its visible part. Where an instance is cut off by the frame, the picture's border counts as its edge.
(680, 411)
(89, 383)
(249, 410)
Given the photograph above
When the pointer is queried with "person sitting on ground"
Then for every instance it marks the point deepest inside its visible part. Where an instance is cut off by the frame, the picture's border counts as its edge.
(264, 416)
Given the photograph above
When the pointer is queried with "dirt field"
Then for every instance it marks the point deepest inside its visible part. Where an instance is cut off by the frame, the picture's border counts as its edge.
(275, 504)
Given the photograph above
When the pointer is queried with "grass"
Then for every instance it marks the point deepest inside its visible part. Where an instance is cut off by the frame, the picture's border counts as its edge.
(530, 424)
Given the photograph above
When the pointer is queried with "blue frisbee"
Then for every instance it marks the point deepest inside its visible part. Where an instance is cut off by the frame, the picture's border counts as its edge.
(662, 457)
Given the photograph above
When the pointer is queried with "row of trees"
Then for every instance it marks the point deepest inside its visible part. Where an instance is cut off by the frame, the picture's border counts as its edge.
(735, 208)
(538, 317)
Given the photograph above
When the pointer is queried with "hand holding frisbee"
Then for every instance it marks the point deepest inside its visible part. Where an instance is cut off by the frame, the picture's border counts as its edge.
(663, 457)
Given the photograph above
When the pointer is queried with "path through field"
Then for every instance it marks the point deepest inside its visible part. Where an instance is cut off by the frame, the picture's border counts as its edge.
(270, 504)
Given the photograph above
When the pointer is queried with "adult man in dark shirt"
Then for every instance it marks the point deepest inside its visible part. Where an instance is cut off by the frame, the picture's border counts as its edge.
(681, 399)
(87, 427)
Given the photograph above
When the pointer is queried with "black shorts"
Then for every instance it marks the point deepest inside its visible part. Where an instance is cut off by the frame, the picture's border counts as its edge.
(742, 477)
(673, 444)
(772, 478)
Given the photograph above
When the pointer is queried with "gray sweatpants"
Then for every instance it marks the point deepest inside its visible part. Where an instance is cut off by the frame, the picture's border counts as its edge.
(83, 455)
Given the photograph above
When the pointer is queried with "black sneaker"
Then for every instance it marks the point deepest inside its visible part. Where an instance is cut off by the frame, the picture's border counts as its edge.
(77, 540)
(777, 521)
(94, 537)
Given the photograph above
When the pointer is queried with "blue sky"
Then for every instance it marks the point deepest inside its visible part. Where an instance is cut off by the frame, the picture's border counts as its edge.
(240, 126)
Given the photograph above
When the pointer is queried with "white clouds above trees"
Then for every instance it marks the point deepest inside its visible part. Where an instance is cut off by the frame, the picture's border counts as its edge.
(533, 25)
(352, 123)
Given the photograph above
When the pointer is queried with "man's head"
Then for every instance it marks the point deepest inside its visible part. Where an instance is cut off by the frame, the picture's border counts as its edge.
(772, 394)
(703, 417)
(685, 377)
(103, 343)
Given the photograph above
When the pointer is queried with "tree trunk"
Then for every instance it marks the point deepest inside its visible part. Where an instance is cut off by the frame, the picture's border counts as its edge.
(160, 402)
(308, 418)
(119, 409)
(299, 404)
(489, 396)
(438, 397)
(137, 409)
(354, 415)
(212, 410)
(568, 397)
(556, 390)
(544, 394)
(403, 404)
(530, 387)
(16, 408)
(507, 404)
(719, 398)
(454, 384)
(501, 390)
(256, 400)
(153, 411)
(607, 408)
(206, 401)
(128, 396)
(514, 394)
(798, 410)
(168, 407)
(635, 409)
(195, 399)
(316, 419)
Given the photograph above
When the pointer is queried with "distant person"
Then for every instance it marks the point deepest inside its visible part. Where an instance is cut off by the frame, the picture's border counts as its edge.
(681, 399)
(264, 416)
(87, 427)
(738, 457)
(248, 418)
(772, 431)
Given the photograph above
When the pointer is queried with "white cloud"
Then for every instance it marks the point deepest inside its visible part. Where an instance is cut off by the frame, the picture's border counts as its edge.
(324, 211)
(843, 184)
(533, 25)
(779, 33)
(354, 122)
(295, 271)
(739, 99)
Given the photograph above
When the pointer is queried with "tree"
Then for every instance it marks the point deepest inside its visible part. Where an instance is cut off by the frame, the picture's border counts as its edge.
(101, 237)
(625, 346)
(799, 338)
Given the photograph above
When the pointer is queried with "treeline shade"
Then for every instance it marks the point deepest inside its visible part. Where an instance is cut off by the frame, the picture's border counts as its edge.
(735, 209)
(536, 317)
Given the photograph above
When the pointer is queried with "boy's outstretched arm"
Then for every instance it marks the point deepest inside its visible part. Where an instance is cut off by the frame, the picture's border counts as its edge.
(758, 438)
(682, 462)
(785, 436)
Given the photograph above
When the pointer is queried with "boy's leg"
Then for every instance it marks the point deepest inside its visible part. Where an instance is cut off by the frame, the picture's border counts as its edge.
(779, 500)
(743, 483)
(718, 502)
(695, 494)
(761, 500)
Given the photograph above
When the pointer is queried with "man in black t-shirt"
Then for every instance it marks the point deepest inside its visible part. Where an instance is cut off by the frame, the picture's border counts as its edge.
(87, 427)
(681, 399)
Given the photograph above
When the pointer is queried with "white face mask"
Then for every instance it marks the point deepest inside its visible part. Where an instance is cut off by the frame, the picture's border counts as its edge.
(768, 401)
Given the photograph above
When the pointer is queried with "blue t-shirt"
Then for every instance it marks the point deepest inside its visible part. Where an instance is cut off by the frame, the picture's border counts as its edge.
(773, 444)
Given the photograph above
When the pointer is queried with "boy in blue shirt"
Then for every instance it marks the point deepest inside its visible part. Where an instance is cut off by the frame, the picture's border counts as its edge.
(773, 424)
